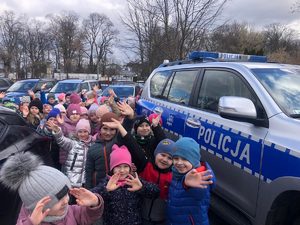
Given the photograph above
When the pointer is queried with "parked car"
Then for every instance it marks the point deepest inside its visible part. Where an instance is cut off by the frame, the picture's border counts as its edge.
(73, 85)
(122, 91)
(5, 83)
(16, 136)
(20, 88)
(245, 117)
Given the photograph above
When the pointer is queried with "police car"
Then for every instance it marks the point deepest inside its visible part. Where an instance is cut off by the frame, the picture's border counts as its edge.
(245, 117)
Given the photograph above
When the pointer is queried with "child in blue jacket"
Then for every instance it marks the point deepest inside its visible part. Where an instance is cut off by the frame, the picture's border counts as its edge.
(189, 192)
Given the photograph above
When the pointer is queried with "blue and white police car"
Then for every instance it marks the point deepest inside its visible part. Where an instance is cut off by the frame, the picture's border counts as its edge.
(244, 113)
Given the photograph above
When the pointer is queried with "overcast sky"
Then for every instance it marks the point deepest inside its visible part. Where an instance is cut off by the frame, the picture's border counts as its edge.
(256, 12)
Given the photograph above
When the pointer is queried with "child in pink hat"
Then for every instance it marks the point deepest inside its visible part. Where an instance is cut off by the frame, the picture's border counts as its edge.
(123, 192)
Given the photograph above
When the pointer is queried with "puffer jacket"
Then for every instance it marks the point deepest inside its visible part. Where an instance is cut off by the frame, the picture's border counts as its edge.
(188, 205)
(74, 167)
(123, 207)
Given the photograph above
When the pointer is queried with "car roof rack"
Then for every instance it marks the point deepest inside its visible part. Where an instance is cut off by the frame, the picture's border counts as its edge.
(204, 56)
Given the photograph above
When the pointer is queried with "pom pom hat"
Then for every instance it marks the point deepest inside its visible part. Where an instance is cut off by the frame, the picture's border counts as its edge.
(24, 172)
(188, 149)
(118, 156)
(37, 103)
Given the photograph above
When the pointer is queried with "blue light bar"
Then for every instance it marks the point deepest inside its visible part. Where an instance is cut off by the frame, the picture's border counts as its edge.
(198, 55)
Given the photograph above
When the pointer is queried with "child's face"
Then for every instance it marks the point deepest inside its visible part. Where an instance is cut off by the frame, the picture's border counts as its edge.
(143, 130)
(47, 109)
(107, 133)
(51, 100)
(34, 110)
(163, 160)
(67, 99)
(84, 116)
(93, 117)
(83, 135)
(123, 170)
(75, 117)
(53, 120)
(182, 165)
(60, 207)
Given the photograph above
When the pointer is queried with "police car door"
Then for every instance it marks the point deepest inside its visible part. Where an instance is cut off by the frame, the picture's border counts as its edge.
(233, 149)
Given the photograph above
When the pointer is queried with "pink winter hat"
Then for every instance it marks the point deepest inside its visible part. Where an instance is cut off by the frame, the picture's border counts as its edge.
(102, 109)
(118, 156)
(73, 109)
(61, 96)
(84, 110)
(61, 108)
(75, 98)
(83, 124)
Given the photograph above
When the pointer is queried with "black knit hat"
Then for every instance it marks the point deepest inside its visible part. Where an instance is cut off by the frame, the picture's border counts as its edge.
(139, 121)
(37, 103)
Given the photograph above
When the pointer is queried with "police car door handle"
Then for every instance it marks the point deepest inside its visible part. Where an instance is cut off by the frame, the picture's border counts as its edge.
(193, 123)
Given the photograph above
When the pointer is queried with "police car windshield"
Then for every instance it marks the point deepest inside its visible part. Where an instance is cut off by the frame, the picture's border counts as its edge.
(22, 86)
(284, 86)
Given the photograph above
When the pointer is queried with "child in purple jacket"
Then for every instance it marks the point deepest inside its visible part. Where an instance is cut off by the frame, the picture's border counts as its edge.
(44, 193)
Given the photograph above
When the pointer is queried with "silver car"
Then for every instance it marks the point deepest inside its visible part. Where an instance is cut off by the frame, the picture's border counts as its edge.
(245, 116)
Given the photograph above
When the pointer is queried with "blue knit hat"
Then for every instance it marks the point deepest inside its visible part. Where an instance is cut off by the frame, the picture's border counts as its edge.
(165, 146)
(53, 113)
(188, 149)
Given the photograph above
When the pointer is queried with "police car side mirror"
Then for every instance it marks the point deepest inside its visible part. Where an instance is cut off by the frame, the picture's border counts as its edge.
(239, 109)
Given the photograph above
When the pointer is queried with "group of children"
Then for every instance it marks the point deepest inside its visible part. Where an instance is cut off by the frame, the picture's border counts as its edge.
(109, 160)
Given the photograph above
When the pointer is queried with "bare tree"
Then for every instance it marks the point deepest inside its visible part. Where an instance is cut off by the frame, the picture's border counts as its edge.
(99, 35)
(65, 30)
(10, 31)
(36, 44)
(169, 28)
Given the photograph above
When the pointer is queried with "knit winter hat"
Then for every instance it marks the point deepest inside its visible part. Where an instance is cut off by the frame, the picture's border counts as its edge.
(102, 109)
(139, 121)
(61, 108)
(37, 103)
(84, 110)
(188, 149)
(50, 95)
(25, 99)
(165, 146)
(75, 98)
(61, 96)
(93, 108)
(153, 116)
(53, 113)
(107, 118)
(24, 172)
(73, 109)
(118, 156)
(83, 124)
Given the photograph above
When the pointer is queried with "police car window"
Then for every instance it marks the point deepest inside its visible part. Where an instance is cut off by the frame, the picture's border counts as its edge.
(158, 82)
(181, 87)
(217, 83)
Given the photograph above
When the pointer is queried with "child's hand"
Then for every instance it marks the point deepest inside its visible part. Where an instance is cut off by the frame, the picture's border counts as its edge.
(84, 197)
(60, 119)
(113, 125)
(155, 121)
(31, 93)
(2, 94)
(125, 109)
(198, 179)
(113, 182)
(38, 214)
(52, 126)
(25, 110)
(134, 182)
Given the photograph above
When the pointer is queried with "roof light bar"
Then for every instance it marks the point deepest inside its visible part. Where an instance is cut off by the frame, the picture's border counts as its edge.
(198, 55)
